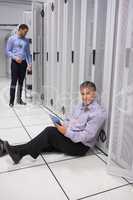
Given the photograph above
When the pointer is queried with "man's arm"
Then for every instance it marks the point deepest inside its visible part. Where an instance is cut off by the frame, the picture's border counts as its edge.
(62, 129)
(9, 52)
(9, 48)
(28, 54)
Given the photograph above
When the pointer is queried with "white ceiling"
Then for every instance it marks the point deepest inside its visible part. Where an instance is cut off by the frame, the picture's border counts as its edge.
(17, 1)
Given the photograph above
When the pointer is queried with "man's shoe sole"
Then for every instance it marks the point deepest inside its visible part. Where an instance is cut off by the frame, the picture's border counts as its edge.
(15, 157)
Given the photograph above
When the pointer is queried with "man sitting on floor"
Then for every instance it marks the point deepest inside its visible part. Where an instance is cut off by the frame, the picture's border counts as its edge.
(74, 137)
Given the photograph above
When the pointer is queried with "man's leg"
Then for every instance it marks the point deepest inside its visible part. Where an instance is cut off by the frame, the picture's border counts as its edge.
(64, 144)
(21, 77)
(34, 147)
(14, 76)
(48, 138)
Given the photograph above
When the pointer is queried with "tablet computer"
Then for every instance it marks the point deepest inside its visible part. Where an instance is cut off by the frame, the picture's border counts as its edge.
(55, 120)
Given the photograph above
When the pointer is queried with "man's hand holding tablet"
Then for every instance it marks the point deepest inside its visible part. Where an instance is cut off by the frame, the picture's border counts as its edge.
(55, 120)
(58, 124)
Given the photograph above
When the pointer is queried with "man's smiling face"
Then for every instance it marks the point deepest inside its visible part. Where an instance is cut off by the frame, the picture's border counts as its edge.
(87, 95)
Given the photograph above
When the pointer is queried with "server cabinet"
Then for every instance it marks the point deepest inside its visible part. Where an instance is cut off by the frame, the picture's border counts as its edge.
(98, 60)
(66, 56)
(59, 55)
(37, 49)
(53, 78)
(87, 38)
(74, 40)
(92, 42)
(47, 56)
(51, 55)
(120, 161)
(54, 58)
(108, 68)
(27, 19)
(75, 53)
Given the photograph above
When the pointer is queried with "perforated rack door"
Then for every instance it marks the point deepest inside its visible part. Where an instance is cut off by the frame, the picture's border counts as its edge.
(120, 161)
(37, 49)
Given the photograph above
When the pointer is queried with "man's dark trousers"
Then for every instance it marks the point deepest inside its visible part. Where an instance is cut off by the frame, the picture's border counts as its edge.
(18, 72)
(49, 140)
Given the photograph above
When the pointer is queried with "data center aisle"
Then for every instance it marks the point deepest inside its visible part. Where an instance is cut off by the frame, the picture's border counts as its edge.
(52, 176)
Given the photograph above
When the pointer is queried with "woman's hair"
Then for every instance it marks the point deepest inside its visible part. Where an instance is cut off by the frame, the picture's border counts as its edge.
(23, 26)
(88, 84)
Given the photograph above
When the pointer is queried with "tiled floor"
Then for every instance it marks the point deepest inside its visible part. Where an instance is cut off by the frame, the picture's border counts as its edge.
(52, 175)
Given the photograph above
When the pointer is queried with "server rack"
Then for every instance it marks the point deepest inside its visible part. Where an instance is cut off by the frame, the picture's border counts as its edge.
(27, 19)
(120, 160)
(37, 50)
(93, 40)
(73, 50)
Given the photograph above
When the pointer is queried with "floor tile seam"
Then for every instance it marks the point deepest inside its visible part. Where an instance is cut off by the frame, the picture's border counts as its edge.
(67, 159)
(106, 154)
(100, 158)
(22, 168)
(128, 181)
(56, 179)
(22, 124)
(58, 161)
(102, 192)
(11, 127)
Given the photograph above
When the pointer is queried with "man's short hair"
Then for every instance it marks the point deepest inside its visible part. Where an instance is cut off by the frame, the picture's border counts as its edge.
(23, 26)
(88, 84)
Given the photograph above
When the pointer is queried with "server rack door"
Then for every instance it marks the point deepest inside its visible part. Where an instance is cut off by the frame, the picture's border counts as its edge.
(66, 57)
(89, 10)
(75, 53)
(27, 17)
(108, 68)
(50, 88)
(82, 39)
(100, 44)
(98, 62)
(47, 71)
(45, 64)
(37, 21)
(90, 47)
(52, 54)
(120, 160)
(59, 59)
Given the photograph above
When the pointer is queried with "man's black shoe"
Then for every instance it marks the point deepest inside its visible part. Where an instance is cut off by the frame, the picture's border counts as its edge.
(11, 105)
(21, 102)
(16, 157)
(2, 148)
